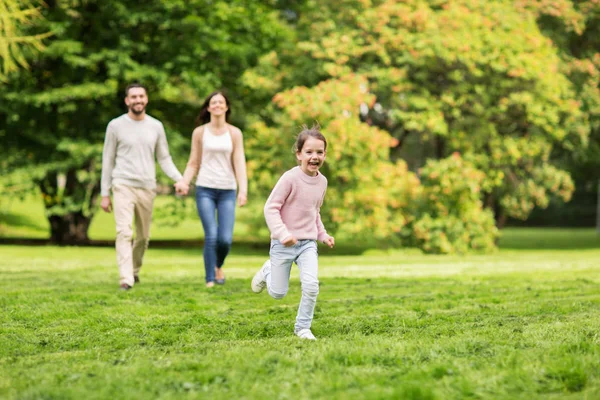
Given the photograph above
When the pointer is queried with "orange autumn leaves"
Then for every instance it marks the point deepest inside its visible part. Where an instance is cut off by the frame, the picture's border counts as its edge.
(370, 196)
(367, 194)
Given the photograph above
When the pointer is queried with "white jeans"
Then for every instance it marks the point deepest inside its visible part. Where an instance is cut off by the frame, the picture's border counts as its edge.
(277, 276)
(129, 202)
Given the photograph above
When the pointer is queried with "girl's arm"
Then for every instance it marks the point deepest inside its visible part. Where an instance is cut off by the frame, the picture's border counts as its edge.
(273, 206)
(322, 234)
(321, 231)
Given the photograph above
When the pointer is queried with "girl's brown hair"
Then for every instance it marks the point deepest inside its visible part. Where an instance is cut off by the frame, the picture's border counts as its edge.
(305, 133)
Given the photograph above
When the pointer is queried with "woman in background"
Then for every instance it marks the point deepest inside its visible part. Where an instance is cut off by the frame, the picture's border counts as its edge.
(217, 159)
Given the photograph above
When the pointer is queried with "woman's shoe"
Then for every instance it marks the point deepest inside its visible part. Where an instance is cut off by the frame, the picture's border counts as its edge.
(219, 281)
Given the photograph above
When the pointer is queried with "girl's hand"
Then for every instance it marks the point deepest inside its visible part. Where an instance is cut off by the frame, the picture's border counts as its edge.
(330, 241)
(289, 241)
(242, 199)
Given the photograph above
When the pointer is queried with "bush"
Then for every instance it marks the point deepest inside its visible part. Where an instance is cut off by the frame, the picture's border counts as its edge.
(449, 216)
(368, 195)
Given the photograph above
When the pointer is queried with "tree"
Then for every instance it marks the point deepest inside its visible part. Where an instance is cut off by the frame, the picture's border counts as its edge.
(14, 45)
(476, 78)
(367, 194)
(449, 216)
(53, 117)
(574, 27)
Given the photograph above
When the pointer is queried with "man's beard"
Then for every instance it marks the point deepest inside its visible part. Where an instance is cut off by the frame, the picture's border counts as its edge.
(137, 112)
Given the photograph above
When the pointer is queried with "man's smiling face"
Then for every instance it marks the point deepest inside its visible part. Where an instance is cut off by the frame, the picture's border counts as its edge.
(136, 100)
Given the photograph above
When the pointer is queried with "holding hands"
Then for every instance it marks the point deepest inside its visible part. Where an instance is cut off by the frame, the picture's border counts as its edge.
(181, 188)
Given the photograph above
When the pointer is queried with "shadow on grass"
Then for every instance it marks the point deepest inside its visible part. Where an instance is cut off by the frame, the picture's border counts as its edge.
(240, 247)
(512, 239)
(549, 239)
(7, 219)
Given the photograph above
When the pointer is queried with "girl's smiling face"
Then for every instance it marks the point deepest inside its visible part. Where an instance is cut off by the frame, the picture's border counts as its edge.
(311, 156)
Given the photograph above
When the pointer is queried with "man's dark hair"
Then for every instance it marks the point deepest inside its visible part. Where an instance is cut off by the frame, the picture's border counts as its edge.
(134, 85)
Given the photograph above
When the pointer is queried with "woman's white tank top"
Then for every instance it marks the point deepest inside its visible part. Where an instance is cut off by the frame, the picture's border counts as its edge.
(216, 171)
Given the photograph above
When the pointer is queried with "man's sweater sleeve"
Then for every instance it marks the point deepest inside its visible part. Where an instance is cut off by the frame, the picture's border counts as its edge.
(108, 160)
(164, 157)
(272, 210)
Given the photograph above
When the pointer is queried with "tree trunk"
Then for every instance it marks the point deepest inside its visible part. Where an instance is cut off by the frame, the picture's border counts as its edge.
(499, 214)
(440, 147)
(500, 217)
(69, 229)
(69, 205)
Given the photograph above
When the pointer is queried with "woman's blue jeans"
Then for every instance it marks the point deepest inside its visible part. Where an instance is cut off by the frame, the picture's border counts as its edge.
(218, 229)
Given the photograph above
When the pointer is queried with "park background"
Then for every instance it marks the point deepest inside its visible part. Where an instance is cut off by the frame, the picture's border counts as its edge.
(463, 159)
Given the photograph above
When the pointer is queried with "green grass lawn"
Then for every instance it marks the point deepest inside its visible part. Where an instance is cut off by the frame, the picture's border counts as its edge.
(521, 323)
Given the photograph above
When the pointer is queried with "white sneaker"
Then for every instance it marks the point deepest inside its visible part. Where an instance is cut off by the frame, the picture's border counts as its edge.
(258, 282)
(305, 334)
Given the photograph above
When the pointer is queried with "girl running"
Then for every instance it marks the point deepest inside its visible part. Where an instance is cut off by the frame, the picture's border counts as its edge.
(293, 216)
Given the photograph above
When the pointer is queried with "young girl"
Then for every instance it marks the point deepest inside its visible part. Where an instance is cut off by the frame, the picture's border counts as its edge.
(217, 157)
(293, 215)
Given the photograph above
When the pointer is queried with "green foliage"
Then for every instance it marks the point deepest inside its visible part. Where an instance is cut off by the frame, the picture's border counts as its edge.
(367, 194)
(474, 77)
(512, 85)
(449, 218)
(14, 45)
(81, 177)
(181, 50)
(574, 27)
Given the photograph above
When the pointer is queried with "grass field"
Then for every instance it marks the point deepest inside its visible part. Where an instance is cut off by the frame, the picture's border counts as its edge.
(522, 323)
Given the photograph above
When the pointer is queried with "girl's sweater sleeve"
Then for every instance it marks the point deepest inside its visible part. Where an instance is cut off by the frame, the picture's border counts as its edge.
(321, 232)
(272, 210)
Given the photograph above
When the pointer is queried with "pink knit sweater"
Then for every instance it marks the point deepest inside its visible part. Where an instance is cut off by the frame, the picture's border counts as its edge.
(293, 208)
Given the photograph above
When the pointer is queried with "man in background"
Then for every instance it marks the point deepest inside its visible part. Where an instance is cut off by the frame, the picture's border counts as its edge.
(133, 142)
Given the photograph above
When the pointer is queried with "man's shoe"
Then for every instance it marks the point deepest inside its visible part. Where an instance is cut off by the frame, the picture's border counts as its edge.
(124, 286)
(305, 334)
(136, 279)
(258, 282)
